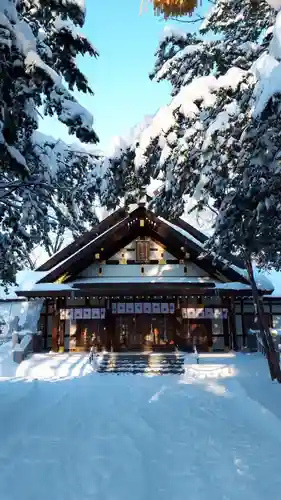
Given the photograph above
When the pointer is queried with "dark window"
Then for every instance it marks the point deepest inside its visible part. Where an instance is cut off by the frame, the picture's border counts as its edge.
(142, 251)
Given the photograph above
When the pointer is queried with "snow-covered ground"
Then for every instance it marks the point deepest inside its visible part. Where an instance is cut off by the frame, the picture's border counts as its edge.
(68, 433)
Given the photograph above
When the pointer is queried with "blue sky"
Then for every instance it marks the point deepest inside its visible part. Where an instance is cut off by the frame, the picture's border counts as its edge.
(124, 94)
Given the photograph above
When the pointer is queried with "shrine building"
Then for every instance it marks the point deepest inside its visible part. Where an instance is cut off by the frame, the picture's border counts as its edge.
(138, 282)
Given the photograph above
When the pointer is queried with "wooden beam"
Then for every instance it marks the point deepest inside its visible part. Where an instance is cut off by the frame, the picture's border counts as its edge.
(232, 322)
(46, 324)
(226, 329)
(244, 335)
(62, 304)
(55, 329)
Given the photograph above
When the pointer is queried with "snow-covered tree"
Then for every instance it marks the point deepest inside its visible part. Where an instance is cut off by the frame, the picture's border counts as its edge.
(39, 44)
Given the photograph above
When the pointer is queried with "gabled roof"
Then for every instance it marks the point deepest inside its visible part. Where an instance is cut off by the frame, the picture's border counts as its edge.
(122, 227)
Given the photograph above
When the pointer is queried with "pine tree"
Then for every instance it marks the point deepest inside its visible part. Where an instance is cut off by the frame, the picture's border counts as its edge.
(39, 43)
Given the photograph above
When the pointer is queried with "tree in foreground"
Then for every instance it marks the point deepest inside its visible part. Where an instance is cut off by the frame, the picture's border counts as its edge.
(39, 45)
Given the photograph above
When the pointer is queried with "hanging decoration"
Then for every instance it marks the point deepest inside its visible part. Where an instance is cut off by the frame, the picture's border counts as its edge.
(173, 8)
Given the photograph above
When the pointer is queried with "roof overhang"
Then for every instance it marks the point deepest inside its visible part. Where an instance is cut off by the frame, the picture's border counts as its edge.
(135, 289)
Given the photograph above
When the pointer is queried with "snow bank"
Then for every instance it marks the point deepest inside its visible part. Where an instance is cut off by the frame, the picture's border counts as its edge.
(8, 368)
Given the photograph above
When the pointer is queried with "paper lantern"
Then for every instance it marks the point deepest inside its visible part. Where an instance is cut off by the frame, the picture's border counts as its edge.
(174, 8)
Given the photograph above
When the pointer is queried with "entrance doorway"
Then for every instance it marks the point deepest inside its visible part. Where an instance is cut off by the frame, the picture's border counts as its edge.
(89, 332)
(143, 332)
(201, 335)
(195, 332)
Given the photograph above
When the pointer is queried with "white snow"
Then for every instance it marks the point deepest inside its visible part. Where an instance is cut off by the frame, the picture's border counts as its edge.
(72, 110)
(211, 434)
(201, 89)
(220, 123)
(172, 31)
(275, 279)
(17, 156)
(267, 70)
(25, 279)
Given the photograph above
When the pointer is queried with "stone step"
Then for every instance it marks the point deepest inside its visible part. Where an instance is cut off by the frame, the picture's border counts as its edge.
(133, 359)
(134, 371)
(112, 363)
(140, 368)
(159, 364)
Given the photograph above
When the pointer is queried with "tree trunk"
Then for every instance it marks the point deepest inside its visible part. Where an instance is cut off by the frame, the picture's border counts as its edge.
(271, 353)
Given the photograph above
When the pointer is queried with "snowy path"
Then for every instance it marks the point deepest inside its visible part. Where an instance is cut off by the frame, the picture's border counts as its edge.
(207, 435)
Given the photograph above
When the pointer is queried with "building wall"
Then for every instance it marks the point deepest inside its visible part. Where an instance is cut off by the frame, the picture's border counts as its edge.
(137, 270)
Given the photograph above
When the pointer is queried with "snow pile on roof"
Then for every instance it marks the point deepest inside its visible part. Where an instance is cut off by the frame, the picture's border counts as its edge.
(275, 279)
(25, 280)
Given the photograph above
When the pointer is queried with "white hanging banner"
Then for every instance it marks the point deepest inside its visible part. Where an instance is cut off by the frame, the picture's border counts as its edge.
(62, 314)
(78, 313)
(156, 308)
(172, 308)
(184, 312)
(69, 314)
(121, 308)
(199, 312)
(147, 307)
(114, 308)
(165, 308)
(209, 312)
(130, 309)
(102, 313)
(87, 313)
(224, 313)
(138, 307)
(96, 313)
(217, 313)
(190, 312)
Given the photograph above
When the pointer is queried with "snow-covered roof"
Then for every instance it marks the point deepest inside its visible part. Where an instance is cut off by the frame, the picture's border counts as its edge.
(28, 280)
(25, 279)
(275, 279)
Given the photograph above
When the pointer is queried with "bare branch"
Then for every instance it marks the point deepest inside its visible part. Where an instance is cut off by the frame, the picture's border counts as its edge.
(191, 21)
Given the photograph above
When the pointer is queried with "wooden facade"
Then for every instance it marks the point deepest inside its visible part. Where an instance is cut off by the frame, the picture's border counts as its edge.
(138, 282)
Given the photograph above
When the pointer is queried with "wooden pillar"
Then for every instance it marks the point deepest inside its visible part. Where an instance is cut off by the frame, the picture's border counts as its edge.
(243, 323)
(55, 328)
(46, 324)
(226, 329)
(271, 314)
(62, 305)
(232, 323)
